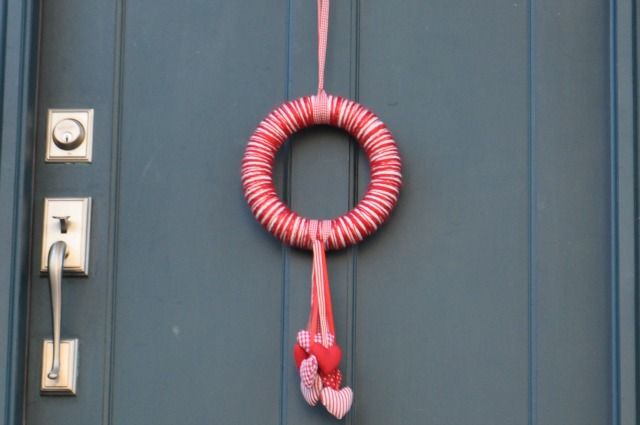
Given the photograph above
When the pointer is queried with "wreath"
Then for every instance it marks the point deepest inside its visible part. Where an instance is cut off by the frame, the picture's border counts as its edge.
(316, 352)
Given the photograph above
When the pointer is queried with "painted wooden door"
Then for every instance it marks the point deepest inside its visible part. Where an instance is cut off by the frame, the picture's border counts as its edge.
(484, 300)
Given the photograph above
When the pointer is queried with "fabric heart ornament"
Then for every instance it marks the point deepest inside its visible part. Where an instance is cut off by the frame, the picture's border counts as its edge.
(320, 378)
(332, 380)
(309, 371)
(330, 339)
(312, 395)
(328, 358)
(336, 402)
(304, 339)
(299, 354)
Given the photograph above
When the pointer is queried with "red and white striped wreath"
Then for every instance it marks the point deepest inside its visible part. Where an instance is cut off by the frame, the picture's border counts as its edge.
(316, 352)
(373, 136)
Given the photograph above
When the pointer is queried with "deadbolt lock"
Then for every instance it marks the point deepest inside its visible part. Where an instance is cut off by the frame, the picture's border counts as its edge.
(69, 135)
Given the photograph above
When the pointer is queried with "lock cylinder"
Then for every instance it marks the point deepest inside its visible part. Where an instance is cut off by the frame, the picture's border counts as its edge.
(68, 134)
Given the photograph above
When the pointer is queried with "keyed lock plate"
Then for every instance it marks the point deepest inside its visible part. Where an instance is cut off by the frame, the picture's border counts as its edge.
(69, 135)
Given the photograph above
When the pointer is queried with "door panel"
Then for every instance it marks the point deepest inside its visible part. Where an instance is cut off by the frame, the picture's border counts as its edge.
(451, 270)
(572, 294)
(484, 300)
(200, 294)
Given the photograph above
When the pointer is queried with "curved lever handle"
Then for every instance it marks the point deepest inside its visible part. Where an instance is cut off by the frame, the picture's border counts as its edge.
(56, 265)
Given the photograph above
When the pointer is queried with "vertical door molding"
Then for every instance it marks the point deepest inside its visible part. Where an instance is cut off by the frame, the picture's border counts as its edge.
(624, 230)
(18, 47)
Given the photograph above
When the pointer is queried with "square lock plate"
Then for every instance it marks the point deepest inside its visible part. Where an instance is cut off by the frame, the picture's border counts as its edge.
(69, 125)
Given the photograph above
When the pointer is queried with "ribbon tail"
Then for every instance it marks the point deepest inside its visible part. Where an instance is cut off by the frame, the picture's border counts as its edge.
(319, 283)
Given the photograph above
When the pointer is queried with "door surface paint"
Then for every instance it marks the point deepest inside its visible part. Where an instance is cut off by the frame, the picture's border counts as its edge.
(484, 300)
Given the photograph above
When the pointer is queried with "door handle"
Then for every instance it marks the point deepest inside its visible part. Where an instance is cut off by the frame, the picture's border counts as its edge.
(57, 253)
(59, 357)
(65, 251)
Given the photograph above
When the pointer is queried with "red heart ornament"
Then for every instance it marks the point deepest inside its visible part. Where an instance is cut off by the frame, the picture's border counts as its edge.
(299, 355)
(332, 380)
(304, 339)
(328, 358)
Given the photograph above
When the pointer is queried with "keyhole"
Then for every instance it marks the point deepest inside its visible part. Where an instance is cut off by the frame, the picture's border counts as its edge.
(67, 137)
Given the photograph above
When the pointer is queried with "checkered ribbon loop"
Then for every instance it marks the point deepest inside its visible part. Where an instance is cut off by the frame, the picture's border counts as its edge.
(319, 232)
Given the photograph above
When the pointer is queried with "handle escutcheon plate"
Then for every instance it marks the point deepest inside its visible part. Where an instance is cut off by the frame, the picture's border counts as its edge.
(65, 384)
(67, 220)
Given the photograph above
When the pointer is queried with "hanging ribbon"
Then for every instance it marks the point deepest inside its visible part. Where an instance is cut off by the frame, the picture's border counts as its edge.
(317, 354)
(323, 31)
(320, 280)
(321, 104)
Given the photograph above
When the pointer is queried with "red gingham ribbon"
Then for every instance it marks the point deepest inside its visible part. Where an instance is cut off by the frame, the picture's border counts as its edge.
(321, 295)
(321, 107)
(323, 31)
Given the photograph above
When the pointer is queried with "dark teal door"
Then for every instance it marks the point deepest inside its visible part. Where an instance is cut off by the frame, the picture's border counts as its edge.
(486, 299)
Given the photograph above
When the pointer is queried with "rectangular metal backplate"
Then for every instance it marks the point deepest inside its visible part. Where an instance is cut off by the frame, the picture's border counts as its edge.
(77, 236)
(65, 384)
(82, 153)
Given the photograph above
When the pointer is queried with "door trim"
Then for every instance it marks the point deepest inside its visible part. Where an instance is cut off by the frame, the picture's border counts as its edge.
(624, 209)
(18, 60)
(19, 26)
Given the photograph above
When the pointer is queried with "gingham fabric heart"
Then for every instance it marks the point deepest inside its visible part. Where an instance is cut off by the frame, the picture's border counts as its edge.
(312, 395)
(337, 403)
(303, 339)
(309, 371)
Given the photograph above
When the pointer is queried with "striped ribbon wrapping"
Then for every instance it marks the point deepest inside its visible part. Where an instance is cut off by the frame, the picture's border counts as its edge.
(373, 136)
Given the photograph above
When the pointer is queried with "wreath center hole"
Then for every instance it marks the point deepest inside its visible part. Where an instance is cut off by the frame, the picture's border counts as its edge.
(321, 172)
